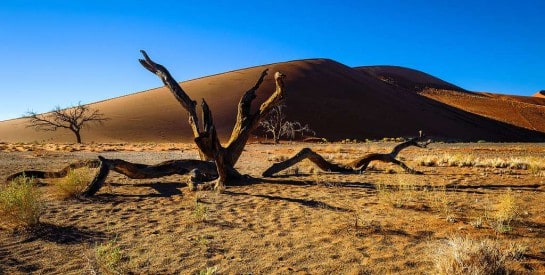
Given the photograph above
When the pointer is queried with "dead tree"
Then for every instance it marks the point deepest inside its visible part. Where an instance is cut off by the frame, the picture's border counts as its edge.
(276, 124)
(356, 166)
(206, 138)
(217, 161)
(74, 119)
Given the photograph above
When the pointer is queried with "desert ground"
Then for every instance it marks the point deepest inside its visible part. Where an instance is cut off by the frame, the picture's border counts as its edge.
(303, 221)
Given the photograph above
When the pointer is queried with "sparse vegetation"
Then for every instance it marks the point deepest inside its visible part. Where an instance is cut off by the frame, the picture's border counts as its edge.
(200, 211)
(20, 202)
(461, 255)
(318, 222)
(109, 257)
(209, 271)
(402, 194)
(74, 183)
(469, 160)
(506, 212)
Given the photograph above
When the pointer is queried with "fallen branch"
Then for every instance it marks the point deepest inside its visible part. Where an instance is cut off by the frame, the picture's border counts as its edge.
(94, 163)
(202, 171)
(356, 166)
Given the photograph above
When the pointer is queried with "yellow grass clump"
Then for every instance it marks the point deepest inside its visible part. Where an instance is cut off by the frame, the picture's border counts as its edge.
(507, 210)
(466, 256)
(74, 183)
(21, 202)
(468, 160)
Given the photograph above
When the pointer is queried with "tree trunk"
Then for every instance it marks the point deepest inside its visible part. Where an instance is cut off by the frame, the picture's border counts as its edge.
(206, 137)
(356, 166)
(78, 135)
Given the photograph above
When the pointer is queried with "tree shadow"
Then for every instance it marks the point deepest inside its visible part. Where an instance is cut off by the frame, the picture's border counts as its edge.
(473, 188)
(304, 202)
(164, 190)
(517, 187)
(62, 234)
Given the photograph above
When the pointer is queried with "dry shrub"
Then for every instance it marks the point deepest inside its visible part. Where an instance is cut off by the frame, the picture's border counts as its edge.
(507, 210)
(465, 256)
(534, 165)
(21, 202)
(74, 183)
(400, 195)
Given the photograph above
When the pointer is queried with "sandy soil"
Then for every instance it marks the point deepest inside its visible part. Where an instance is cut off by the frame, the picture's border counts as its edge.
(305, 221)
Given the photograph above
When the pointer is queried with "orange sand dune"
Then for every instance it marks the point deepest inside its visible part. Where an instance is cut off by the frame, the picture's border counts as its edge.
(407, 78)
(337, 101)
(515, 110)
(540, 94)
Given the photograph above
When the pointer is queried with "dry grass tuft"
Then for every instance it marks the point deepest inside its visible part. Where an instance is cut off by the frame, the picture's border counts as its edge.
(109, 257)
(465, 256)
(507, 210)
(209, 271)
(516, 251)
(21, 202)
(200, 210)
(403, 194)
(74, 183)
(535, 165)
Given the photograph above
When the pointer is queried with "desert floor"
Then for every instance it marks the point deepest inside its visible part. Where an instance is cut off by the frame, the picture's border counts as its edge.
(304, 221)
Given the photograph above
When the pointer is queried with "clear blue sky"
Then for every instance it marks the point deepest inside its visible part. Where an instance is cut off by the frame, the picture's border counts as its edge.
(62, 52)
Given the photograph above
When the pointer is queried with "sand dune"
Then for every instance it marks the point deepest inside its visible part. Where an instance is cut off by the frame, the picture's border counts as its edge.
(337, 101)
(407, 78)
(540, 94)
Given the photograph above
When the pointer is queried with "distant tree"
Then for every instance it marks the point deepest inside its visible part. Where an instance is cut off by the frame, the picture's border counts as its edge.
(276, 124)
(73, 118)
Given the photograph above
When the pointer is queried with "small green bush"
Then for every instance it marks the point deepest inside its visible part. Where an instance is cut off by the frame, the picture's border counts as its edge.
(200, 212)
(109, 256)
(21, 202)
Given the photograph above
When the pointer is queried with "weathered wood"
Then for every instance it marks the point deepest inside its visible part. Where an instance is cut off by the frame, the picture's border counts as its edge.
(362, 163)
(248, 122)
(187, 103)
(207, 170)
(58, 174)
(206, 138)
(356, 166)
(97, 182)
(307, 153)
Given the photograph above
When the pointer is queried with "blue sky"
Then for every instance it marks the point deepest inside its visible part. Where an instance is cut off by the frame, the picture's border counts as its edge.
(63, 52)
